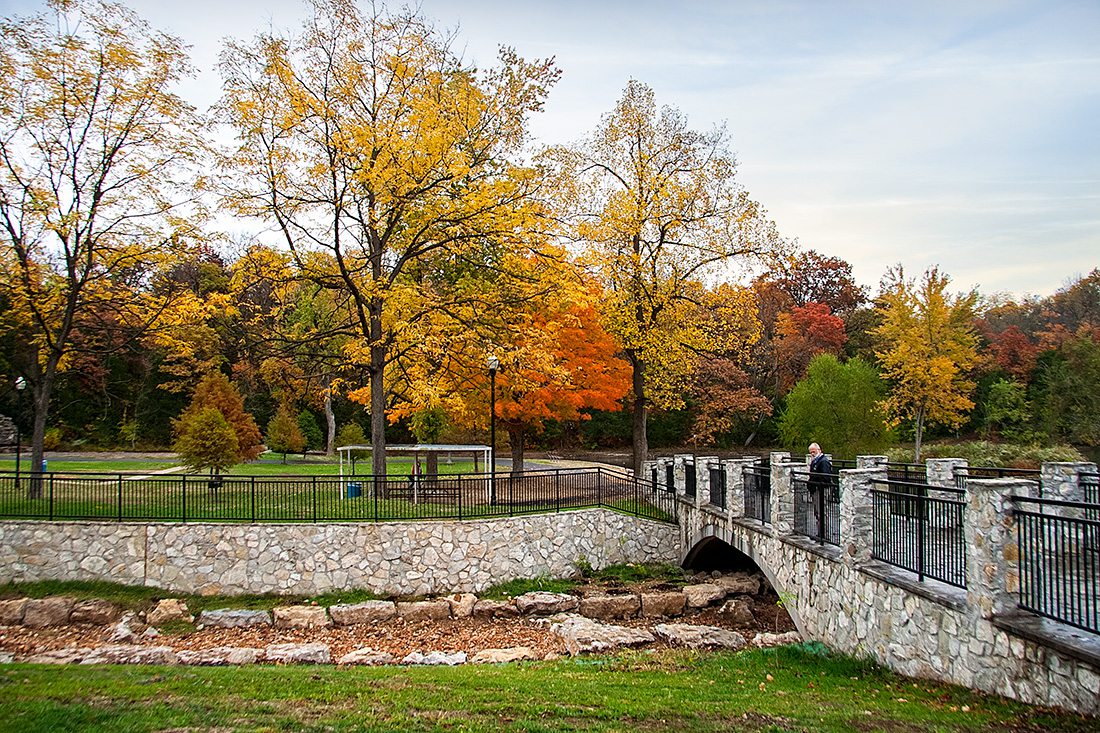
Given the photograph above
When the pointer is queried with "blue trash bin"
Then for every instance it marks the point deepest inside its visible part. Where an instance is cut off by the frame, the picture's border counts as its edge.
(44, 463)
(355, 490)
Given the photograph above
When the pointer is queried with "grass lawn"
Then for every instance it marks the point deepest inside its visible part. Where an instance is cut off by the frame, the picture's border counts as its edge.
(788, 689)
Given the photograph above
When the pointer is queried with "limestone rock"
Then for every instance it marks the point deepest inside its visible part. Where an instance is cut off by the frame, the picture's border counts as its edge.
(485, 608)
(96, 611)
(366, 612)
(462, 604)
(11, 612)
(298, 653)
(765, 639)
(122, 633)
(738, 612)
(169, 609)
(610, 606)
(220, 656)
(739, 583)
(424, 610)
(301, 617)
(582, 634)
(225, 618)
(68, 655)
(663, 604)
(131, 654)
(366, 656)
(544, 604)
(436, 658)
(503, 656)
(42, 612)
(6, 657)
(699, 637)
(703, 594)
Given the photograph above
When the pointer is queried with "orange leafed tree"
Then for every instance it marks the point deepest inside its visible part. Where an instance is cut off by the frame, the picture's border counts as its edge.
(803, 333)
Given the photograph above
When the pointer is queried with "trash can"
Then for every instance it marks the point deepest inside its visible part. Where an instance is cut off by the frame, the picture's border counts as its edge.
(44, 463)
(355, 490)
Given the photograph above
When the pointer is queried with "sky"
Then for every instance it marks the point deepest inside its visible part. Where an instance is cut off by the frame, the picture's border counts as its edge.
(962, 134)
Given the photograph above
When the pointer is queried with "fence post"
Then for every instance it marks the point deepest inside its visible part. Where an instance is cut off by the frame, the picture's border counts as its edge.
(183, 500)
(782, 494)
(990, 531)
(252, 499)
(735, 485)
(599, 486)
(857, 509)
(120, 497)
(313, 492)
(941, 472)
(1063, 480)
(51, 496)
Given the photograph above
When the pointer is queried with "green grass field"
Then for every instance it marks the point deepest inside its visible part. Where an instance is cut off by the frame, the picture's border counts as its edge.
(787, 689)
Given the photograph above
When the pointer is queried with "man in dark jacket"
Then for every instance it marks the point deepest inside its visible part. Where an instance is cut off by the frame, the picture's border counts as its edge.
(821, 478)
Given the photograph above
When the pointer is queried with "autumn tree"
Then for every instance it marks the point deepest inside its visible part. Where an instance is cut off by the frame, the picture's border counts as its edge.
(283, 433)
(811, 277)
(97, 171)
(206, 441)
(723, 395)
(365, 138)
(657, 206)
(927, 345)
(801, 334)
(217, 392)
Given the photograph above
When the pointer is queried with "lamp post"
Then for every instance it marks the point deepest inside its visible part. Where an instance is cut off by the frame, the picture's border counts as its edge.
(494, 365)
(20, 385)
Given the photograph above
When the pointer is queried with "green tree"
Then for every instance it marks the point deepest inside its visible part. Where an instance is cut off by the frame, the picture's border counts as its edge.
(927, 346)
(839, 406)
(206, 441)
(1066, 400)
(1007, 411)
(311, 431)
(216, 391)
(283, 433)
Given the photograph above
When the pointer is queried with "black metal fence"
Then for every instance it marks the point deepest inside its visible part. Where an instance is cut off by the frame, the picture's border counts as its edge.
(758, 492)
(920, 533)
(182, 498)
(962, 473)
(1059, 545)
(913, 472)
(717, 485)
(817, 507)
(689, 478)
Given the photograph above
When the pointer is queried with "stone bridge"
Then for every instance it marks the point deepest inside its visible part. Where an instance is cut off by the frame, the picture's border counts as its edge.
(839, 595)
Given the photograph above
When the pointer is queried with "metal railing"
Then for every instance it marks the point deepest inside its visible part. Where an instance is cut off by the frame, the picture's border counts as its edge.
(962, 473)
(916, 472)
(920, 533)
(183, 498)
(717, 485)
(689, 478)
(758, 493)
(1059, 546)
(817, 506)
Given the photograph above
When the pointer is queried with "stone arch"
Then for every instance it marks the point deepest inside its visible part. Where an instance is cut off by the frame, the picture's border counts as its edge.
(746, 544)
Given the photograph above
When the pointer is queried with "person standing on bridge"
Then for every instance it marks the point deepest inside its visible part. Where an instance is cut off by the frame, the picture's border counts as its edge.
(821, 478)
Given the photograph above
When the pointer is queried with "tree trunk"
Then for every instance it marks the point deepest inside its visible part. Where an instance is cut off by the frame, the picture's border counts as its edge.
(41, 389)
(515, 438)
(639, 440)
(918, 433)
(377, 391)
(330, 421)
(432, 464)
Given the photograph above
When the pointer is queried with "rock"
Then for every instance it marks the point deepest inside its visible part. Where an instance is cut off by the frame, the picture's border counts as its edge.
(69, 655)
(150, 633)
(699, 637)
(766, 640)
(436, 658)
(98, 612)
(543, 603)
(738, 612)
(301, 617)
(462, 604)
(702, 595)
(495, 609)
(169, 609)
(608, 606)
(366, 656)
(220, 656)
(11, 612)
(225, 618)
(121, 633)
(6, 657)
(424, 610)
(298, 653)
(131, 654)
(582, 634)
(739, 583)
(42, 612)
(663, 604)
(366, 612)
(503, 656)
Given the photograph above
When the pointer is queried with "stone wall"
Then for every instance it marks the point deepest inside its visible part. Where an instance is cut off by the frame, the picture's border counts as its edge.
(389, 558)
(844, 598)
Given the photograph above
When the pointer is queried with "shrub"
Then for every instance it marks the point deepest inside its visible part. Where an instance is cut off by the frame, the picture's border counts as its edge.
(985, 453)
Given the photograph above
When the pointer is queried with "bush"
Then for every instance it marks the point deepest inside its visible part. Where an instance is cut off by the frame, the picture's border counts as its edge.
(985, 453)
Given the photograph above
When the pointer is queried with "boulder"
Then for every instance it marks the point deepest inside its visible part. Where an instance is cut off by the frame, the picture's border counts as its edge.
(131, 654)
(739, 583)
(225, 618)
(582, 635)
(6, 657)
(11, 612)
(42, 612)
(448, 659)
(703, 594)
(97, 612)
(221, 656)
(301, 617)
(495, 609)
(544, 604)
(663, 604)
(462, 604)
(122, 633)
(366, 656)
(68, 655)
(738, 612)
(349, 614)
(503, 656)
(766, 640)
(699, 637)
(298, 653)
(169, 609)
(424, 610)
(609, 606)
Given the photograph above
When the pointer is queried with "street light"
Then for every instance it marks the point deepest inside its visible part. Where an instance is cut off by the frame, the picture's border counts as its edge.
(20, 385)
(494, 365)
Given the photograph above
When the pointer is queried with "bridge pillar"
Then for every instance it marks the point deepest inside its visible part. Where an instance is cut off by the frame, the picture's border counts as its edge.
(782, 495)
(942, 471)
(993, 556)
(1063, 481)
(735, 485)
(857, 508)
(702, 479)
(871, 461)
